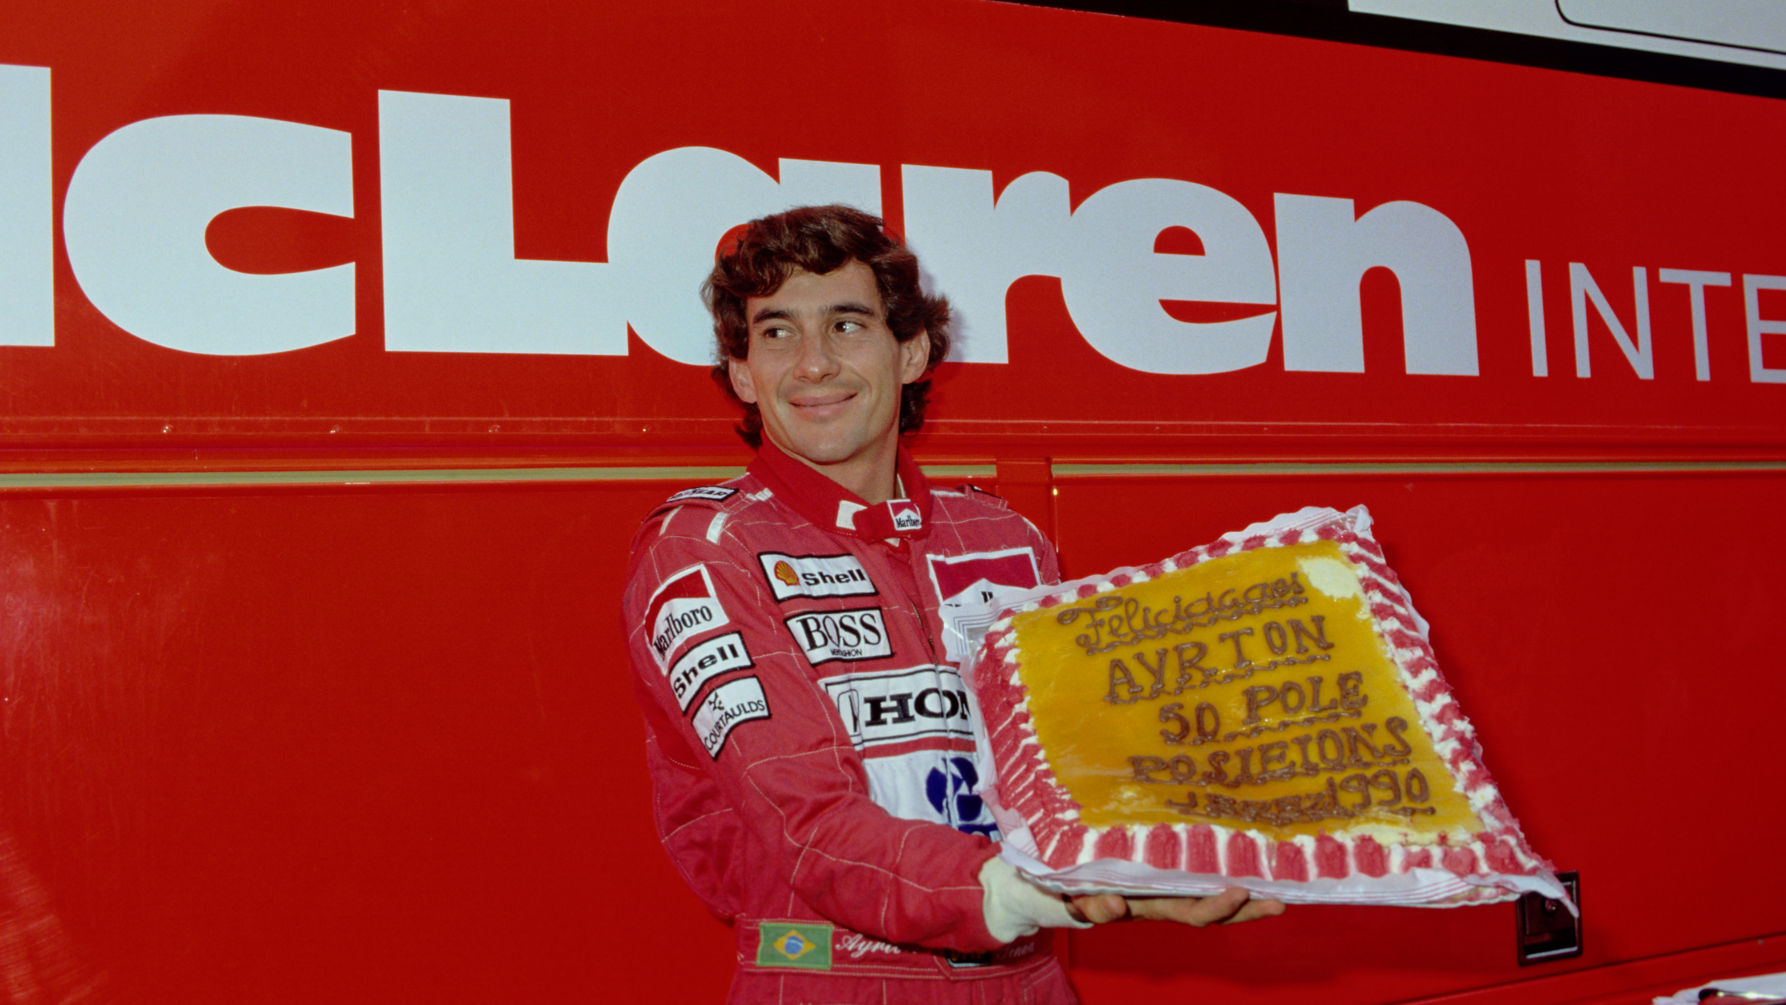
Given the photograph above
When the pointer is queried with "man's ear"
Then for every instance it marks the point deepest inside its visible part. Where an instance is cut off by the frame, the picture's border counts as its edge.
(914, 357)
(742, 385)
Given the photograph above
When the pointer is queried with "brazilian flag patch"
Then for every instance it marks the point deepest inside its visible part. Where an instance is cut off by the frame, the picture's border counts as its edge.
(806, 945)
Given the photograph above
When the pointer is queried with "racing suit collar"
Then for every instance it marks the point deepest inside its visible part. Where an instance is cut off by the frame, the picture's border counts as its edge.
(834, 507)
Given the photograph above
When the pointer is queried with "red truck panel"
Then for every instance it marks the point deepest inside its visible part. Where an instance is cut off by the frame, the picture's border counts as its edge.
(309, 685)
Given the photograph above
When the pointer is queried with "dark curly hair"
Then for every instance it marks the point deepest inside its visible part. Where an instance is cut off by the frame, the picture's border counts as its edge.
(819, 239)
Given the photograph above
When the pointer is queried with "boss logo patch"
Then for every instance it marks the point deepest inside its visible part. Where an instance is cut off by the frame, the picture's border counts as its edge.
(815, 576)
(851, 636)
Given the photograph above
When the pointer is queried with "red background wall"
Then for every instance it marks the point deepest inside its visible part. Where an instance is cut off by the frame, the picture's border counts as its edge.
(310, 677)
(362, 743)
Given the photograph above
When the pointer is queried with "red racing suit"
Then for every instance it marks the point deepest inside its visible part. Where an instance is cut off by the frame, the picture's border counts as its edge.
(810, 737)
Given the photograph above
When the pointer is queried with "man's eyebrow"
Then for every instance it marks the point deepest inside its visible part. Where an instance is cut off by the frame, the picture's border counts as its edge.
(783, 314)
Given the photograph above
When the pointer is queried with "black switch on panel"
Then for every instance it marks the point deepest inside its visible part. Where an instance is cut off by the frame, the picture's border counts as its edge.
(1548, 930)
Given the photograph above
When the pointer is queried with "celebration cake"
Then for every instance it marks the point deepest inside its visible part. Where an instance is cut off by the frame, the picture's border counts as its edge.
(1264, 711)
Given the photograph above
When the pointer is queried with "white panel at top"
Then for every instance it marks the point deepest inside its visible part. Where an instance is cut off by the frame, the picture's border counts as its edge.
(1730, 31)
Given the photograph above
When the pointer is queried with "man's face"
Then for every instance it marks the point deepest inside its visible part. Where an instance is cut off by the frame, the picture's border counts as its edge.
(826, 372)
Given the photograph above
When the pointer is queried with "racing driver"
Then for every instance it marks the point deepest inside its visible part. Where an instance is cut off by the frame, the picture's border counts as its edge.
(797, 635)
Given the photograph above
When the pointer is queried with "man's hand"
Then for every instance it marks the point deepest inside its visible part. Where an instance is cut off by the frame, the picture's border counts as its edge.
(1229, 907)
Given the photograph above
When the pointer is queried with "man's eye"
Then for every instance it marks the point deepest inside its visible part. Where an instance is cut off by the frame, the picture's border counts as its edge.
(772, 334)
(846, 326)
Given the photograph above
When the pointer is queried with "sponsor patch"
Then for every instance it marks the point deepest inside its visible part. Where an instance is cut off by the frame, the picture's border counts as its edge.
(1019, 950)
(919, 781)
(815, 575)
(705, 661)
(806, 945)
(953, 789)
(725, 707)
(959, 574)
(906, 515)
(683, 607)
(713, 492)
(898, 705)
(969, 589)
(851, 636)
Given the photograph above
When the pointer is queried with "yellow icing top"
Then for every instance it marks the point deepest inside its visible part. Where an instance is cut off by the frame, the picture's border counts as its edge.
(1252, 691)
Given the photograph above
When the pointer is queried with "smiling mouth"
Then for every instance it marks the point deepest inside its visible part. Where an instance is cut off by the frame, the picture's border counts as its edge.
(820, 402)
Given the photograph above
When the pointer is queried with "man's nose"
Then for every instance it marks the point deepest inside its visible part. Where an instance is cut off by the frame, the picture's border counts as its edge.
(818, 357)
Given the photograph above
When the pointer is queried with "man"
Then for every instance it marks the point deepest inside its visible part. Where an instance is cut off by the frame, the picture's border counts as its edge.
(796, 650)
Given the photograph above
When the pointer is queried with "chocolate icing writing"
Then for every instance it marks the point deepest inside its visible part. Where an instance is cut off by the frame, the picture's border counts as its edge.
(1209, 723)
(1291, 699)
(1114, 620)
(1381, 791)
(1347, 749)
(1126, 689)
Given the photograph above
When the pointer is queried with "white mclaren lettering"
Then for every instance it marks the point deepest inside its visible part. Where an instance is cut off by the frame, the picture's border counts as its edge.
(453, 283)
(1592, 309)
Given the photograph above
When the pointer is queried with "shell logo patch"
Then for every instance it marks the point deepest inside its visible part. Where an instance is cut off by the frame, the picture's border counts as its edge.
(806, 945)
(814, 575)
(785, 573)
